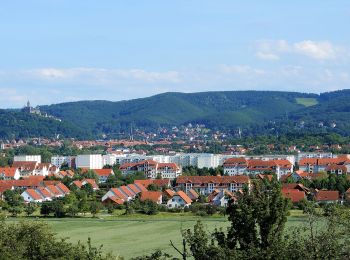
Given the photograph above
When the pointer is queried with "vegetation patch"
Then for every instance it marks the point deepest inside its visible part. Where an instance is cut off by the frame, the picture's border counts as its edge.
(307, 102)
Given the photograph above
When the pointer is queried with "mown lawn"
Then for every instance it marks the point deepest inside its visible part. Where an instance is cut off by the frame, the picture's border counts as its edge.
(137, 235)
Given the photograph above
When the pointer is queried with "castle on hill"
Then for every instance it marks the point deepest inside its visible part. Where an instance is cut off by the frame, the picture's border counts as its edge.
(31, 110)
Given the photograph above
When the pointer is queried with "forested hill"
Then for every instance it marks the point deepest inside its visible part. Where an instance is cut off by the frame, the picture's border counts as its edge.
(214, 109)
(256, 111)
(16, 124)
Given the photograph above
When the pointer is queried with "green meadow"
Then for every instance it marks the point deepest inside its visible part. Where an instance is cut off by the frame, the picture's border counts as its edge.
(135, 235)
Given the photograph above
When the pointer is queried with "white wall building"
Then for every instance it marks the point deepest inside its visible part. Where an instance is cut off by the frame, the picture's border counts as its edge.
(27, 158)
(89, 161)
(59, 160)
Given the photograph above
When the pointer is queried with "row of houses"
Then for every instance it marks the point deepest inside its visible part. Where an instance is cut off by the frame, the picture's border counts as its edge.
(45, 193)
(243, 166)
(297, 192)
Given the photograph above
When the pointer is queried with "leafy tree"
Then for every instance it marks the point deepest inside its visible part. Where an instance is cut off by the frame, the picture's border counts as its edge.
(95, 208)
(149, 207)
(30, 208)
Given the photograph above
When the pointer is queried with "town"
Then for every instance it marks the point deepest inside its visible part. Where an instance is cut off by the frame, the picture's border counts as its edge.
(165, 179)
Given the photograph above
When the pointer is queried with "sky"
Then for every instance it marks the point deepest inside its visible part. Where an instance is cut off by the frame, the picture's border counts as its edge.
(62, 50)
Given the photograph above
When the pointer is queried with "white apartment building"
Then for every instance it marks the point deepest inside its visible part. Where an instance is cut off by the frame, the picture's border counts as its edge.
(89, 161)
(314, 155)
(27, 158)
(59, 160)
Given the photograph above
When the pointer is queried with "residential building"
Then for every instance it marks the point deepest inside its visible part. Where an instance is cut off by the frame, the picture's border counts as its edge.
(179, 200)
(89, 161)
(220, 198)
(9, 173)
(27, 158)
(207, 184)
(155, 196)
(103, 174)
(327, 196)
(152, 169)
(339, 165)
(58, 161)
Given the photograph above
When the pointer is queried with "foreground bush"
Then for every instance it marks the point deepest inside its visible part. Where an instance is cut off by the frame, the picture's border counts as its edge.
(35, 240)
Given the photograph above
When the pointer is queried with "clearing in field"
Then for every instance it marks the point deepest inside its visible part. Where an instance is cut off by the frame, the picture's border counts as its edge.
(308, 102)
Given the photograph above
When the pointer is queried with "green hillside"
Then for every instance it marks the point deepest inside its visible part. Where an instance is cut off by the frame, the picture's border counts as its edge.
(15, 124)
(257, 112)
(215, 109)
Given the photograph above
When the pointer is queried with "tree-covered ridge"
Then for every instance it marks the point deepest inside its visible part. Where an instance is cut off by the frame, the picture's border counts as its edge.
(16, 124)
(229, 108)
(255, 112)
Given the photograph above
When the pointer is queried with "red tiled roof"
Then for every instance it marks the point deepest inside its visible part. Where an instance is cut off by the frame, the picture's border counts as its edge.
(5, 186)
(337, 167)
(118, 193)
(9, 172)
(103, 172)
(44, 192)
(77, 183)
(235, 161)
(184, 197)
(322, 161)
(193, 194)
(326, 195)
(151, 195)
(134, 188)
(92, 182)
(32, 193)
(140, 186)
(128, 192)
(62, 187)
(212, 179)
(169, 193)
(53, 190)
(293, 195)
(115, 200)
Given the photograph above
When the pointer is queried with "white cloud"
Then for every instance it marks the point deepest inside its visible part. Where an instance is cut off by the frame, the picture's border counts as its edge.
(241, 69)
(267, 56)
(319, 50)
(104, 75)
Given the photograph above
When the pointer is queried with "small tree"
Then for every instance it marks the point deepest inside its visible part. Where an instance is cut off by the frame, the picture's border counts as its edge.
(30, 208)
(95, 208)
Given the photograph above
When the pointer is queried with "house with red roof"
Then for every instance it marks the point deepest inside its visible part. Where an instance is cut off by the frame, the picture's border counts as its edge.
(207, 184)
(235, 166)
(103, 174)
(158, 182)
(83, 182)
(327, 196)
(193, 195)
(9, 173)
(294, 195)
(220, 198)
(179, 200)
(123, 193)
(31, 195)
(155, 196)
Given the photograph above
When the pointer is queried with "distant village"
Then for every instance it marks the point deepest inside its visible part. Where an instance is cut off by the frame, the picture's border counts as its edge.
(40, 182)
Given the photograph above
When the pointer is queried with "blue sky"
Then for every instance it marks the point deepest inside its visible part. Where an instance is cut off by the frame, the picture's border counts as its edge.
(58, 51)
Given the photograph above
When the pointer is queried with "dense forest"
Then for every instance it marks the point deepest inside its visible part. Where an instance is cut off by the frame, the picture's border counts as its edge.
(255, 112)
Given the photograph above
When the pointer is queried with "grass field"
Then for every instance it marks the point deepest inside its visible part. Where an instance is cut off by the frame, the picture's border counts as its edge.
(308, 102)
(136, 235)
